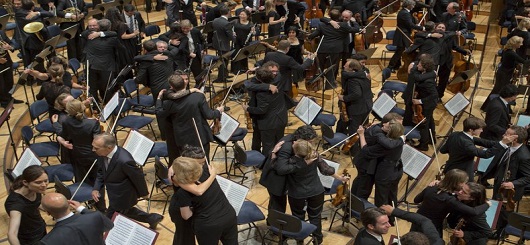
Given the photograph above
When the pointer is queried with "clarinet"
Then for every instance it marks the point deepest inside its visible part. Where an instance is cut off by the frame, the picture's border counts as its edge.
(249, 35)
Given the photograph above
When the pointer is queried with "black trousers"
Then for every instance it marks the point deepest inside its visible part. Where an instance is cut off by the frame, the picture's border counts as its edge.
(183, 228)
(269, 138)
(443, 78)
(426, 125)
(386, 192)
(133, 213)
(362, 184)
(326, 60)
(256, 137)
(352, 125)
(196, 65)
(395, 61)
(98, 85)
(314, 211)
(6, 83)
(278, 203)
(210, 232)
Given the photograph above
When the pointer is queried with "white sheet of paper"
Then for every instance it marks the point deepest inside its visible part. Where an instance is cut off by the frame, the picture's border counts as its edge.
(27, 159)
(327, 181)
(414, 161)
(456, 104)
(307, 110)
(383, 105)
(128, 232)
(111, 106)
(523, 120)
(234, 192)
(139, 146)
(228, 127)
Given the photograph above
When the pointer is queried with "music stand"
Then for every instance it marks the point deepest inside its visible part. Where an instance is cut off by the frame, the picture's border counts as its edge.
(3, 21)
(463, 76)
(271, 40)
(248, 50)
(68, 33)
(122, 73)
(322, 75)
(52, 41)
(206, 28)
(368, 52)
(4, 117)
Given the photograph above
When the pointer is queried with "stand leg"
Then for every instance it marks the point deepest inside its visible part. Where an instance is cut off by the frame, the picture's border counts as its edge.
(11, 138)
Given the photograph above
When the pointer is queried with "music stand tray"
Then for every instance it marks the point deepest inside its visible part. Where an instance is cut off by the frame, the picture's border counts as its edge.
(53, 41)
(249, 50)
(463, 76)
(68, 33)
(207, 28)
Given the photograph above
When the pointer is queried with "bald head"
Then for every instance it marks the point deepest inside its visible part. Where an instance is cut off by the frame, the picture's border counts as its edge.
(55, 204)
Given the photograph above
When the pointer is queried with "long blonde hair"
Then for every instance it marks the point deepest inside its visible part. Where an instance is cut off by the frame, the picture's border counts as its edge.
(75, 109)
(513, 42)
(304, 149)
(269, 6)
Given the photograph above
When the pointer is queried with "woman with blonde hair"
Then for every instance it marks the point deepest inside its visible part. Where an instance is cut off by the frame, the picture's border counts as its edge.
(52, 86)
(275, 20)
(77, 136)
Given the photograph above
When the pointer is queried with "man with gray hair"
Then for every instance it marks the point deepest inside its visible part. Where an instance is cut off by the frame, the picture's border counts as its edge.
(123, 179)
(84, 227)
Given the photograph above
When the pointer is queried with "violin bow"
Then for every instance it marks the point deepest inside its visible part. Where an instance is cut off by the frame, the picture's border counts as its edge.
(200, 141)
(82, 181)
(230, 88)
(118, 115)
(415, 126)
(342, 141)
(397, 226)
(435, 153)
(388, 5)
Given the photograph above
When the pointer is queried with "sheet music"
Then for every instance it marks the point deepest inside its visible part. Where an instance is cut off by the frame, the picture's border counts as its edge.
(228, 127)
(139, 146)
(383, 105)
(414, 161)
(307, 110)
(128, 232)
(484, 163)
(27, 159)
(456, 104)
(492, 214)
(235, 193)
(523, 120)
(327, 181)
(111, 106)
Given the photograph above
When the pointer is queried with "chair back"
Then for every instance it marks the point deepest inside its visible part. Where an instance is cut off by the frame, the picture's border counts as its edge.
(386, 72)
(130, 86)
(504, 41)
(239, 154)
(53, 31)
(38, 108)
(27, 134)
(519, 221)
(74, 64)
(471, 26)
(126, 107)
(326, 131)
(284, 222)
(152, 30)
(161, 170)
(390, 35)
(60, 187)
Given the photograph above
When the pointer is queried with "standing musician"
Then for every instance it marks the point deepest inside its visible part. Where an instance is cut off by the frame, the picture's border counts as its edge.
(333, 43)
(427, 42)
(275, 20)
(183, 10)
(306, 193)
(73, 12)
(243, 30)
(405, 24)
(287, 64)
(439, 8)
(253, 5)
(123, 179)
(511, 170)
(52, 86)
(6, 71)
(153, 72)
(271, 179)
(498, 117)
(357, 94)
(454, 20)
(177, 116)
(389, 165)
(196, 45)
(101, 52)
(421, 81)
(269, 112)
(364, 181)
(128, 39)
(223, 36)
(293, 10)
(349, 42)
(135, 22)
(32, 43)
(476, 229)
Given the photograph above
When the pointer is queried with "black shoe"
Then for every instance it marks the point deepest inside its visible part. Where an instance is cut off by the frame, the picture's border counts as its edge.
(156, 218)
(15, 101)
(487, 185)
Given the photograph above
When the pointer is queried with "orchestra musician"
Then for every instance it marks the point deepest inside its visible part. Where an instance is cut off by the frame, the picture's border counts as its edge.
(127, 38)
(152, 72)
(349, 42)
(197, 46)
(269, 113)
(177, 115)
(223, 36)
(439, 8)
(293, 10)
(135, 22)
(306, 193)
(243, 28)
(333, 43)
(253, 5)
(275, 20)
(375, 224)
(476, 229)
(405, 25)
(357, 94)
(454, 20)
(183, 10)
(123, 179)
(422, 81)
(364, 181)
(6, 71)
(498, 117)
(52, 86)
(462, 150)
(516, 160)
(271, 179)
(101, 52)
(427, 42)
(297, 51)
(74, 46)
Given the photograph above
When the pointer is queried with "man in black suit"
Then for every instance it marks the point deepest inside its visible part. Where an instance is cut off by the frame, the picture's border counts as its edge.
(85, 227)
(151, 72)
(498, 116)
(74, 46)
(184, 9)
(454, 20)
(101, 53)
(349, 42)
(123, 179)
(462, 150)
(6, 71)
(405, 25)
(287, 65)
(269, 113)
(223, 36)
(178, 114)
(440, 6)
(427, 42)
(376, 224)
(253, 5)
(135, 22)
(428, 234)
(274, 182)
(517, 156)
(333, 45)
(31, 43)
(196, 45)
(294, 12)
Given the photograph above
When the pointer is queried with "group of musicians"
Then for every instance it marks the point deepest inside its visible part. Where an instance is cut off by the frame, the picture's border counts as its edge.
(165, 65)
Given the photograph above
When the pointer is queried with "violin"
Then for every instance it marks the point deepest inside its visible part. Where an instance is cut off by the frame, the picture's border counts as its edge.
(506, 195)
(458, 240)
(343, 110)
(313, 70)
(343, 191)
(417, 109)
(346, 147)
(466, 6)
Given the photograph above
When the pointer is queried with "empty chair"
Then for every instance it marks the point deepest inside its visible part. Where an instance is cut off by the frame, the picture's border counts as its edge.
(249, 214)
(289, 227)
(389, 48)
(42, 149)
(131, 121)
(330, 137)
(250, 159)
(161, 182)
(64, 172)
(328, 119)
(152, 30)
(83, 194)
(358, 205)
(518, 226)
(159, 149)
(37, 111)
(395, 86)
(140, 99)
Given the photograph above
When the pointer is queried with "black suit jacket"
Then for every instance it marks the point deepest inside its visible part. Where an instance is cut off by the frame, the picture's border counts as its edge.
(86, 228)
(358, 96)
(138, 17)
(250, 3)
(387, 160)
(223, 34)
(65, 4)
(102, 52)
(497, 119)
(287, 65)
(295, 9)
(519, 169)
(334, 39)
(426, 45)
(9, 63)
(154, 73)
(374, 135)
(270, 111)
(124, 180)
(462, 151)
(406, 24)
(365, 238)
(425, 86)
(274, 182)
(426, 226)
(177, 116)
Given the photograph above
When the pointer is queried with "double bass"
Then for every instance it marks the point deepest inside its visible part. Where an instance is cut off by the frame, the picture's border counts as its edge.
(312, 10)
(462, 65)
(466, 7)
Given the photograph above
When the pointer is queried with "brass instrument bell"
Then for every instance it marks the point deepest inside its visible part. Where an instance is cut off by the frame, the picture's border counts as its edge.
(33, 27)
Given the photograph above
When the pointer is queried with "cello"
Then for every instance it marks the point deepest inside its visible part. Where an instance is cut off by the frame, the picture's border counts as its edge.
(389, 6)
(506, 195)
(461, 66)
(466, 6)
(313, 11)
